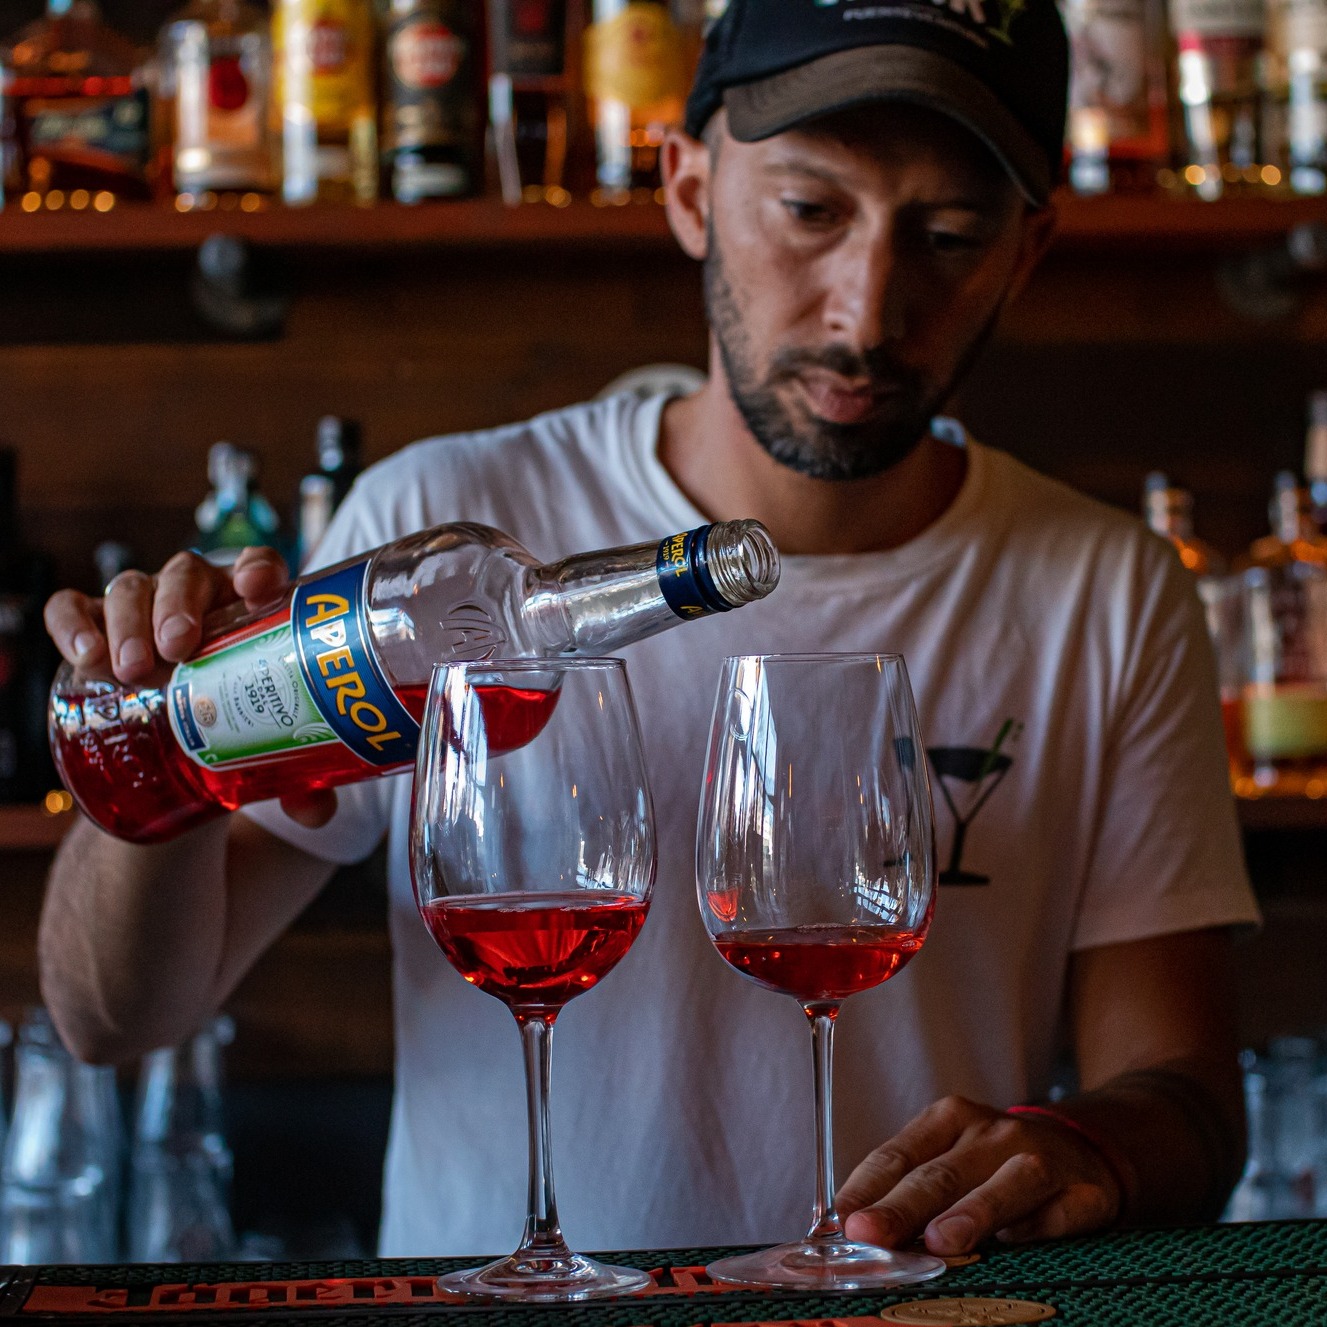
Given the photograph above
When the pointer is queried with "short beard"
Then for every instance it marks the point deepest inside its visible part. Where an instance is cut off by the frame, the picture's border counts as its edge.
(806, 443)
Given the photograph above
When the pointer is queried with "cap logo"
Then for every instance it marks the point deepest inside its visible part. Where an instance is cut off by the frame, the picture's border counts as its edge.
(975, 10)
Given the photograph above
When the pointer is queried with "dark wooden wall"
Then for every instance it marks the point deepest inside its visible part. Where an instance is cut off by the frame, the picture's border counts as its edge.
(113, 398)
(112, 388)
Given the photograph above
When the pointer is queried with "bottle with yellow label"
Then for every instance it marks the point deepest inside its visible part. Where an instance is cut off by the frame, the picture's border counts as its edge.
(325, 57)
(636, 79)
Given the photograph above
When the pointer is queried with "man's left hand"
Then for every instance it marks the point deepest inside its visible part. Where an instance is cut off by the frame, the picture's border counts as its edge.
(961, 1173)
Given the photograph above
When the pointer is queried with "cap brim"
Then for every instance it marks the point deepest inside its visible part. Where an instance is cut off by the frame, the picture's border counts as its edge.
(771, 105)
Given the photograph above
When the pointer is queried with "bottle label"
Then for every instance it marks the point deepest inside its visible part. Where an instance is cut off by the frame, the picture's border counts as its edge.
(682, 565)
(324, 51)
(329, 616)
(636, 57)
(234, 115)
(1209, 19)
(430, 95)
(526, 38)
(110, 133)
(431, 102)
(425, 54)
(1108, 40)
(243, 701)
(303, 681)
(220, 127)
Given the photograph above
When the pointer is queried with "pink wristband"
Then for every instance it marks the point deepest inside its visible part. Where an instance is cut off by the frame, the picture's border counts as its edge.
(1121, 1169)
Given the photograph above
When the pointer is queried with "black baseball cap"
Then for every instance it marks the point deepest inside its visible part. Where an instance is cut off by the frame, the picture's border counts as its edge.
(999, 67)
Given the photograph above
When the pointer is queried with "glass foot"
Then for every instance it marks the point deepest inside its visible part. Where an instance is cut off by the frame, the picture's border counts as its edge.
(530, 1279)
(827, 1265)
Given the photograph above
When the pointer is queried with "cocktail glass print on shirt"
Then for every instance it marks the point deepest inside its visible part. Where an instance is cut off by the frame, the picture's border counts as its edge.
(967, 777)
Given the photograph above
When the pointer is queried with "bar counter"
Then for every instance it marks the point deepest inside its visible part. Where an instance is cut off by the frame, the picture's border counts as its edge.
(1258, 1273)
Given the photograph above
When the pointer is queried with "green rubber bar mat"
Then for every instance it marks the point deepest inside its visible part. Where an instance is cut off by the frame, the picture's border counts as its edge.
(1273, 1272)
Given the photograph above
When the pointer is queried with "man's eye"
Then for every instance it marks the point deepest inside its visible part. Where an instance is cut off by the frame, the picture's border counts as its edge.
(953, 241)
(811, 214)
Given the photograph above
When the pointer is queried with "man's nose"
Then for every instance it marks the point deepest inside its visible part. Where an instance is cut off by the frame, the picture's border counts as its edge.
(864, 302)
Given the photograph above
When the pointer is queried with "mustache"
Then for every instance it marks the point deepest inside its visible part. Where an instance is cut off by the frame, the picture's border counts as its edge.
(879, 367)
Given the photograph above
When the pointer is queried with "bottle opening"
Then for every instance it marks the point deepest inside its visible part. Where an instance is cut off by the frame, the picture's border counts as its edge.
(742, 561)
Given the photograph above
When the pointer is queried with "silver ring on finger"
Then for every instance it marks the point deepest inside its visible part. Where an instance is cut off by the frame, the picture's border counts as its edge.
(129, 573)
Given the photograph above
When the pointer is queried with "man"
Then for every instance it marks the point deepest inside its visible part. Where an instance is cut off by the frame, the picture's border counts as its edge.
(867, 186)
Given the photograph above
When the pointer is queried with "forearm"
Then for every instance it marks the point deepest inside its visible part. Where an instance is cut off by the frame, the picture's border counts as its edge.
(1175, 1130)
(132, 939)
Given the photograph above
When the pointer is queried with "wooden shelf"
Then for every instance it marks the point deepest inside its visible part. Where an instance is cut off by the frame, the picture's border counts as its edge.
(476, 223)
(1282, 813)
(1112, 223)
(32, 828)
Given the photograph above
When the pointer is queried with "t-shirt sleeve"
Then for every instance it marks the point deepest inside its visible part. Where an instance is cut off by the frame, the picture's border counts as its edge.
(363, 808)
(1167, 854)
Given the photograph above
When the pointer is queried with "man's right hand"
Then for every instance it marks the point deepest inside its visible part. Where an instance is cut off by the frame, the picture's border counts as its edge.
(146, 624)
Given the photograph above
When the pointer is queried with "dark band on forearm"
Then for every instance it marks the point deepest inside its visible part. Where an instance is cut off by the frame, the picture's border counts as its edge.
(1216, 1135)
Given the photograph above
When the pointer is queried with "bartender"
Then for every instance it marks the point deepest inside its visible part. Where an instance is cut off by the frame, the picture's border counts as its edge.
(865, 186)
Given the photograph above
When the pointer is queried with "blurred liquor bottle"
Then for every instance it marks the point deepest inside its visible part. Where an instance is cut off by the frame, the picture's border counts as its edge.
(323, 491)
(1168, 510)
(80, 108)
(636, 78)
(340, 453)
(324, 60)
(215, 82)
(1118, 133)
(1284, 710)
(234, 515)
(1220, 50)
(432, 113)
(1294, 537)
(1315, 457)
(1295, 93)
(529, 105)
(27, 661)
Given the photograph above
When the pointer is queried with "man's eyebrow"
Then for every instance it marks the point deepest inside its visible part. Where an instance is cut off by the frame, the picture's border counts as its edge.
(792, 166)
(978, 199)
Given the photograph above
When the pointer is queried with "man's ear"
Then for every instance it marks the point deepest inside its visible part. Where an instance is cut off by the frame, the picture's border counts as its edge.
(685, 162)
(1039, 227)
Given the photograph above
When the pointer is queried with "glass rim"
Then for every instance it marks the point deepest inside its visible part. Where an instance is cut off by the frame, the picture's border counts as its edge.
(525, 664)
(822, 656)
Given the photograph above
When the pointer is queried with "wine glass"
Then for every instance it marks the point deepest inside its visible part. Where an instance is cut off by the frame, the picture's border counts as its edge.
(815, 868)
(532, 850)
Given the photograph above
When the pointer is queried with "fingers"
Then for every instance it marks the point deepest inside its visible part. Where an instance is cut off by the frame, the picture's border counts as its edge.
(259, 576)
(128, 611)
(312, 810)
(186, 588)
(1022, 1184)
(996, 1175)
(146, 621)
(929, 1135)
(74, 622)
(916, 1198)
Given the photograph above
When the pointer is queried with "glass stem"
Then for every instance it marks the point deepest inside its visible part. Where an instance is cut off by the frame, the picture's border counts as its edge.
(542, 1240)
(825, 1223)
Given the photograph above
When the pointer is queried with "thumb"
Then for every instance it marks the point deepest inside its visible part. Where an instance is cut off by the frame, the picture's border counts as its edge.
(310, 809)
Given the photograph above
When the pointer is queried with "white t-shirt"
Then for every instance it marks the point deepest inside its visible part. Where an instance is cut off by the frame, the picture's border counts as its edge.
(682, 1102)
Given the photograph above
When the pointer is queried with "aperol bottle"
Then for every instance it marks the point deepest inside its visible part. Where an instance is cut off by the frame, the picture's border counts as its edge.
(327, 686)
